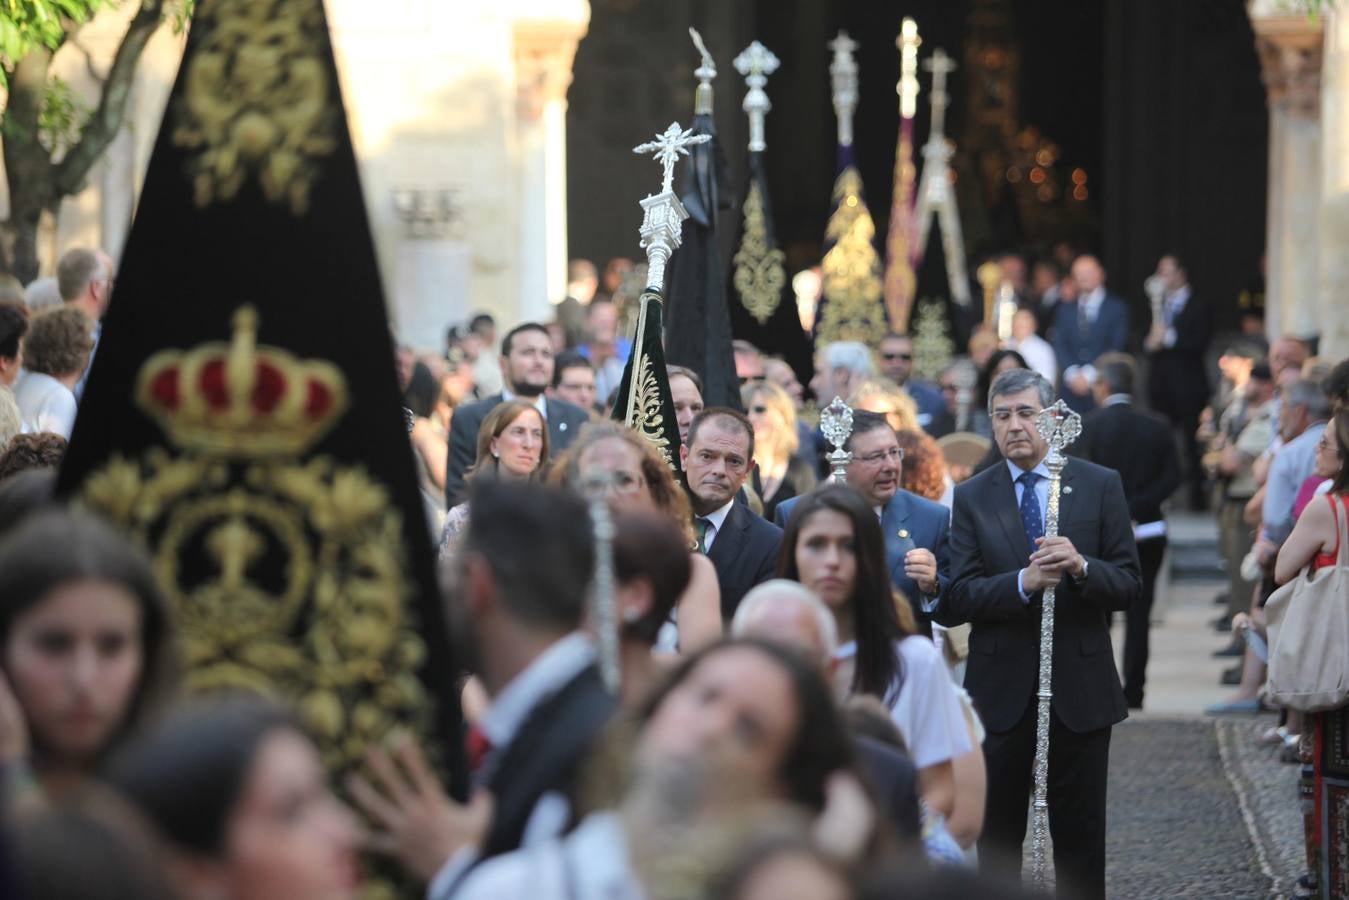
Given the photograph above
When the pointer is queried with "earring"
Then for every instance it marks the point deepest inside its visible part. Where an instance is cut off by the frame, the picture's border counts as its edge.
(496, 455)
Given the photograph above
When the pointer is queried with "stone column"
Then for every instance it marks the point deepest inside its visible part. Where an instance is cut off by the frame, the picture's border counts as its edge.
(1333, 312)
(1289, 46)
(544, 50)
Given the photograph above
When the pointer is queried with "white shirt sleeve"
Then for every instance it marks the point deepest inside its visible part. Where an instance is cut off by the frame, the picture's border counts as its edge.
(57, 414)
(927, 709)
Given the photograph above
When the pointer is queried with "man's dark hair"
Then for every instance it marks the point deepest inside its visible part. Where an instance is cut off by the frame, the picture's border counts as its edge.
(864, 421)
(74, 271)
(481, 322)
(521, 329)
(723, 412)
(539, 544)
(39, 450)
(1336, 384)
(691, 375)
(13, 326)
(893, 335)
(1117, 372)
(568, 359)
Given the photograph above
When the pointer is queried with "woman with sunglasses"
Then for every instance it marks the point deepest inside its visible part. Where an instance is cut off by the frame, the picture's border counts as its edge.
(779, 473)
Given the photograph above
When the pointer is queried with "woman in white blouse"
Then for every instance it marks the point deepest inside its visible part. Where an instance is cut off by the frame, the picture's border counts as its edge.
(833, 546)
(55, 354)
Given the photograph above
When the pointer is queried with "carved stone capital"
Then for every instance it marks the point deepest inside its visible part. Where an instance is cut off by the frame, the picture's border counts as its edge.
(544, 51)
(1289, 45)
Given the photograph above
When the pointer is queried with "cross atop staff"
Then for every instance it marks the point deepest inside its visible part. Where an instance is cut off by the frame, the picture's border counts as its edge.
(940, 65)
(668, 147)
(843, 73)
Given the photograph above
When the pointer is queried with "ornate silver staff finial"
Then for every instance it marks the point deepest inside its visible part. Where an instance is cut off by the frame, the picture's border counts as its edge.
(702, 97)
(1059, 426)
(595, 484)
(756, 62)
(843, 72)
(663, 215)
(908, 42)
(940, 65)
(836, 426)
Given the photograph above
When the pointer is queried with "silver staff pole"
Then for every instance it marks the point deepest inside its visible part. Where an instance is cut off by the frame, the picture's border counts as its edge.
(1059, 426)
(595, 484)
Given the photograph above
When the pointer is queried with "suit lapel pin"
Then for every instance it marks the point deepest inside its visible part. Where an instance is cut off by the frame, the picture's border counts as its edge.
(903, 532)
(1067, 488)
(562, 426)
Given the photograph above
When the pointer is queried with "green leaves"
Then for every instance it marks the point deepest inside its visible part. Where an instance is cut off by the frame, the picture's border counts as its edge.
(28, 24)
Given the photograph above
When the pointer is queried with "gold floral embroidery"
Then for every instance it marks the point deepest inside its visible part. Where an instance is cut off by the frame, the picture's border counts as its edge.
(257, 101)
(932, 344)
(853, 309)
(648, 419)
(759, 272)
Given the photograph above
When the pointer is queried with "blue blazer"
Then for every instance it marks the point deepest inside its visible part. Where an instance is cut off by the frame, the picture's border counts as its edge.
(908, 522)
(1109, 333)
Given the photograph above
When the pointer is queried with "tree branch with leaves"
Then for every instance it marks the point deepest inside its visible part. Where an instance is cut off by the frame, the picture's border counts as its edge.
(51, 139)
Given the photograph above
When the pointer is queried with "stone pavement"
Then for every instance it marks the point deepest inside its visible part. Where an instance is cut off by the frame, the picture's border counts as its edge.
(1198, 807)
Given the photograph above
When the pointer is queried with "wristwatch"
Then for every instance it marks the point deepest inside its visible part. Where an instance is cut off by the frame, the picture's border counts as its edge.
(1078, 579)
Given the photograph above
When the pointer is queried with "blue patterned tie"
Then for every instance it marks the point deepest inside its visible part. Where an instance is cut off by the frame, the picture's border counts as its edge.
(1030, 509)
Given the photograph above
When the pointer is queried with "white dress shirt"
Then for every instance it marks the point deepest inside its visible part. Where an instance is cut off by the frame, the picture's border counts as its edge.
(510, 708)
(1175, 305)
(540, 402)
(716, 519)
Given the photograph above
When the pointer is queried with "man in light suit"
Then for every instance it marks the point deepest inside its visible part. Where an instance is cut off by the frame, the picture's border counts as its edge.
(527, 368)
(916, 530)
(1096, 323)
(1002, 562)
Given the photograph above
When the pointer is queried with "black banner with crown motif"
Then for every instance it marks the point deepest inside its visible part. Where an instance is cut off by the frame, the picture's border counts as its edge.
(242, 417)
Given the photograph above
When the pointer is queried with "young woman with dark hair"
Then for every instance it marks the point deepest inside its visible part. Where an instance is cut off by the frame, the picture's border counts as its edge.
(239, 795)
(738, 728)
(833, 545)
(85, 647)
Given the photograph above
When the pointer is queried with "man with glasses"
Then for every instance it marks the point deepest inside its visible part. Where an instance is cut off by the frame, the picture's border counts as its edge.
(1002, 562)
(916, 530)
(896, 354)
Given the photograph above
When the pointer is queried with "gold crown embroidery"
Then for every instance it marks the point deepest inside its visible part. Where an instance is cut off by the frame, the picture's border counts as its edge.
(240, 399)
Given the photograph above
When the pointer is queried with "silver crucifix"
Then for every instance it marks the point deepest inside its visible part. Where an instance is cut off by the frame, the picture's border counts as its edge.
(843, 74)
(756, 62)
(1059, 426)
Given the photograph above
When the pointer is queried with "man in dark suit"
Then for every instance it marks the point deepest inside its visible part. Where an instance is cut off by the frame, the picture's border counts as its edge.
(741, 545)
(1178, 385)
(1139, 447)
(516, 610)
(917, 531)
(1097, 322)
(527, 368)
(1001, 562)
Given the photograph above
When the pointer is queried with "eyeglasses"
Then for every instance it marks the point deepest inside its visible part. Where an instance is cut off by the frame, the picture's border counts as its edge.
(1324, 444)
(744, 380)
(894, 454)
(891, 357)
(625, 484)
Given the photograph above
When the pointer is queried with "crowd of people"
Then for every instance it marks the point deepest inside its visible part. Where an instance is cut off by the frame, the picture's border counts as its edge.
(826, 689)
